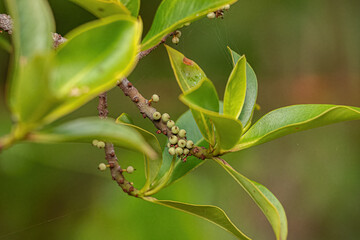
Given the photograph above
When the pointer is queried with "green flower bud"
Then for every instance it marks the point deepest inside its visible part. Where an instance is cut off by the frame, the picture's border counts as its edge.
(102, 167)
(189, 144)
(178, 33)
(186, 151)
(170, 123)
(175, 129)
(187, 24)
(100, 144)
(179, 151)
(168, 145)
(182, 133)
(226, 7)
(95, 142)
(156, 115)
(181, 143)
(130, 169)
(173, 139)
(211, 15)
(165, 117)
(155, 98)
(172, 151)
(175, 40)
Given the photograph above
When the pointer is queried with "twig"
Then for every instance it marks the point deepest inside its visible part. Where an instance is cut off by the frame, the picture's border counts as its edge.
(110, 156)
(143, 54)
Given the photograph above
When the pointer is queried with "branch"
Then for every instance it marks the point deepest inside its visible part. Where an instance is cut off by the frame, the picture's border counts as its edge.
(147, 111)
(110, 156)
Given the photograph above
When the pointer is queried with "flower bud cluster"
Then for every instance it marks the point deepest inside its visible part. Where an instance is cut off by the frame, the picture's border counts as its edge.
(218, 13)
(176, 37)
(98, 144)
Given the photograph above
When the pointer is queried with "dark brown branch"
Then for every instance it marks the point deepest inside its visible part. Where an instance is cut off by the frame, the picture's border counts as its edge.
(147, 111)
(110, 156)
(143, 54)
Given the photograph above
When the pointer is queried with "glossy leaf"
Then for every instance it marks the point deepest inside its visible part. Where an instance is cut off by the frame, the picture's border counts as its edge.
(32, 26)
(235, 91)
(228, 129)
(188, 74)
(87, 129)
(251, 91)
(173, 14)
(268, 203)
(291, 119)
(210, 213)
(93, 59)
(124, 118)
(133, 6)
(103, 8)
(185, 121)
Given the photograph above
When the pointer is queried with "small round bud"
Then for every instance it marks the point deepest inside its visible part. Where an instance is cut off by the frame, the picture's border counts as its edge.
(175, 40)
(156, 115)
(173, 139)
(175, 129)
(168, 145)
(170, 123)
(95, 142)
(165, 117)
(186, 151)
(178, 33)
(100, 144)
(189, 144)
(226, 7)
(172, 151)
(182, 133)
(155, 98)
(102, 167)
(211, 15)
(179, 151)
(187, 24)
(130, 169)
(181, 143)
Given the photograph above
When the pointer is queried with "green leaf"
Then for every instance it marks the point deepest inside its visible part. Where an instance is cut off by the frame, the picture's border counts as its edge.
(210, 213)
(32, 26)
(103, 8)
(133, 6)
(234, 96)
(202, 99)
(188, 74)
(185, 121)
(267, 202)
(93, 59)
(5, 44)
(291, 119)
(87, 129)
(124, 118)
(173, 14)
(251, 91)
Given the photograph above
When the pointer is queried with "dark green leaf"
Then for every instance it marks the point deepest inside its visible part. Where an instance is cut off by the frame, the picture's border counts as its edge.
(103, 8)
(210, 213)
(284, 121)
(173, 14)
(87, 129)
(268, 203)
(251, 91)
(93, 59)
(125, 118)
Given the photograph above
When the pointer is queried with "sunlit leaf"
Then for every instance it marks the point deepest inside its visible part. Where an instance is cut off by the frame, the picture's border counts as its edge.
(291, 119)
(173, 14)
(210, 213)
(87, 129)
(32, 26)
(251, 91)
(103, 8)
(228, 129)
(133, 6)
(93, 59)
(234, 96)
(267, 202)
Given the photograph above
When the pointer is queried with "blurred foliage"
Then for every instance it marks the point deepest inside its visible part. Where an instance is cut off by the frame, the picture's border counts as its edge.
(302, 51)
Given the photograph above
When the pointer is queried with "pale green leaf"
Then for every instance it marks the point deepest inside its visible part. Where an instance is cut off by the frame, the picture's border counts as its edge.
(103, 8)
(210, 213)
(87, 129)
(267, 202)
(173, 14)
(291, 119)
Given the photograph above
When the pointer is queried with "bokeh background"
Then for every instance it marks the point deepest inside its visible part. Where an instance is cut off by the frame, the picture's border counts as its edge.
(303, 51)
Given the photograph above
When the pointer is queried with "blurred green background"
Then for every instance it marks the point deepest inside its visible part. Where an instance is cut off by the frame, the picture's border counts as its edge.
(304, 51)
